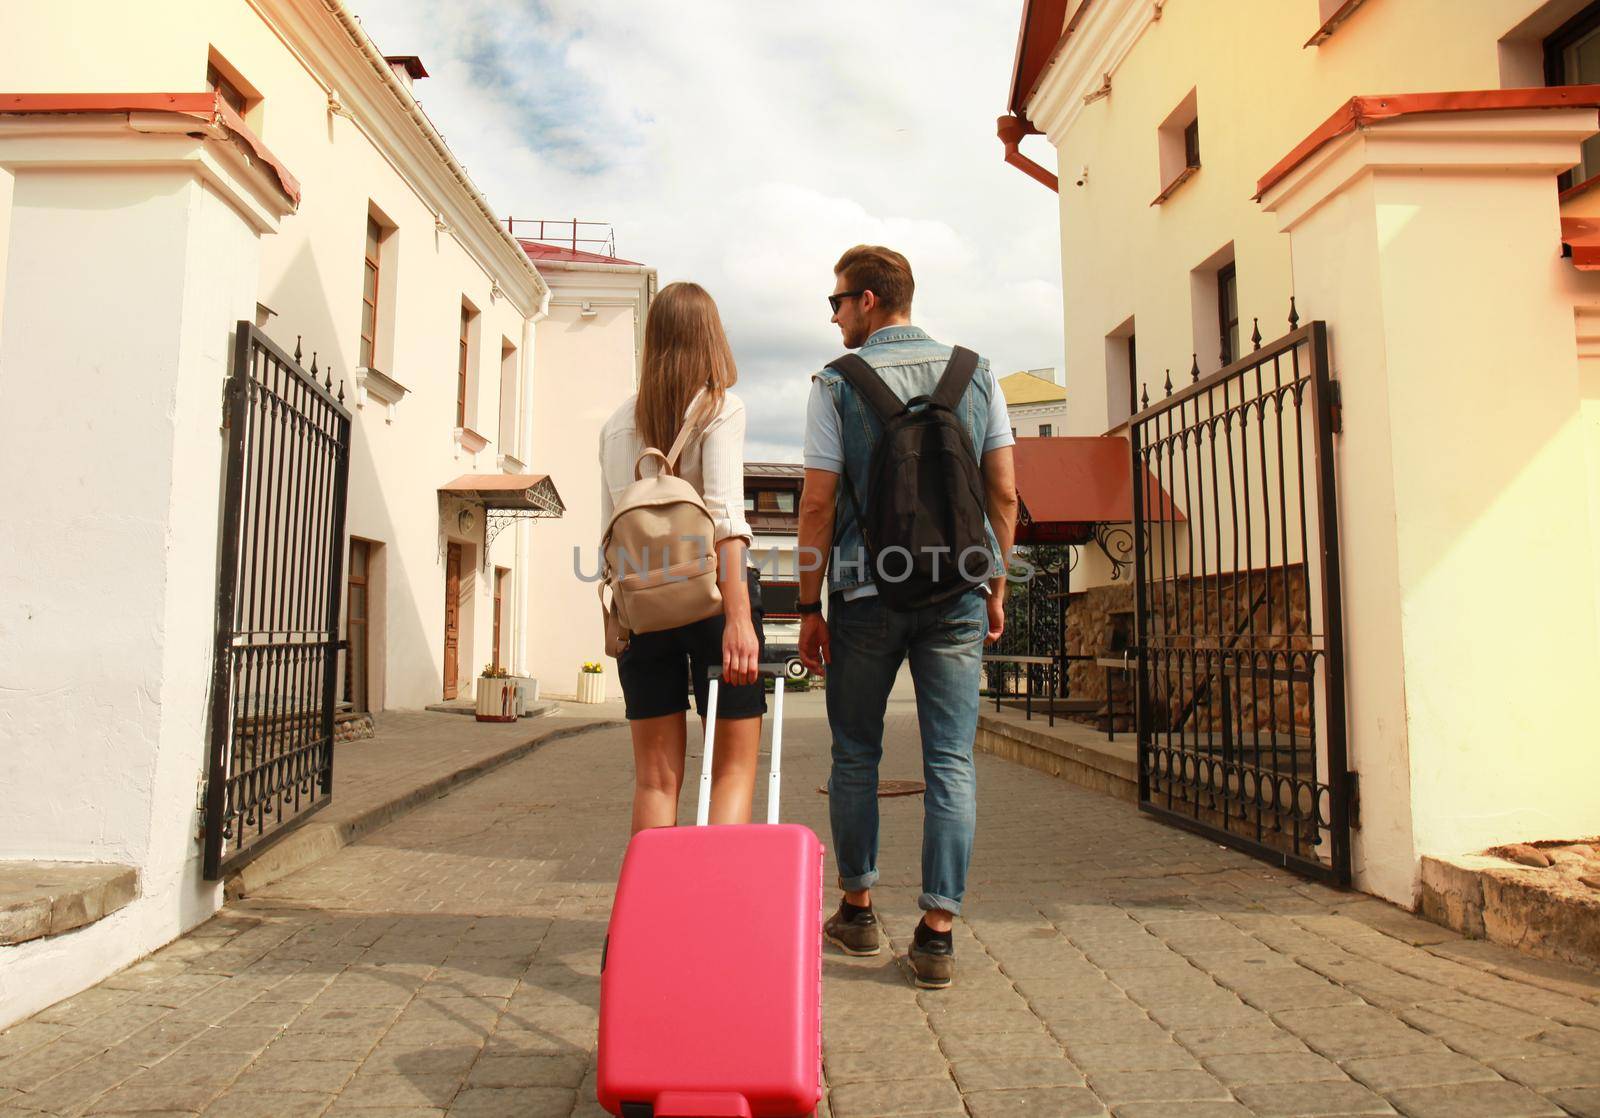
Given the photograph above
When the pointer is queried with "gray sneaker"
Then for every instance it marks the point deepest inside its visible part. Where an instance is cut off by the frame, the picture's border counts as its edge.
(933, 961)
(854, 935)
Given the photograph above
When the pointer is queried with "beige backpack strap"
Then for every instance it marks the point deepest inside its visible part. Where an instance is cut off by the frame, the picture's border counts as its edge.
(652, 452)
(692, 425)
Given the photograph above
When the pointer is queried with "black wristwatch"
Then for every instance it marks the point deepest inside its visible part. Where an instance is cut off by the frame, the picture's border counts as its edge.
(808, 607)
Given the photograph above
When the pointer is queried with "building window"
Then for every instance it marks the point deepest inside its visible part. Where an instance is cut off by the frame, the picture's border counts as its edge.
(1178, 146)
(1572, 57)
(469, 316)
(774, 500)
(749, 502)
(1121, 374)
(371, 284)
(1044, 430)
(1228, 312)
(510, 399)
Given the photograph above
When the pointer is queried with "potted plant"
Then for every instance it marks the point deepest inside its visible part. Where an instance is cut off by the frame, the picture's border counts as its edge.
(592, 682)
(497, 695)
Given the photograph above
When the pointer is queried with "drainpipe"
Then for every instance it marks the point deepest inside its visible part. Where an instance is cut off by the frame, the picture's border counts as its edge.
(1011, 130)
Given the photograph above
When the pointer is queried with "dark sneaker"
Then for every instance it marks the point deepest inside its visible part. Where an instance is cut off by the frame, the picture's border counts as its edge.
(853, 930)
(932, 957)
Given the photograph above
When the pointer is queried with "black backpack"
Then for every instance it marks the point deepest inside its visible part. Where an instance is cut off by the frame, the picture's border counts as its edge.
(926, 496)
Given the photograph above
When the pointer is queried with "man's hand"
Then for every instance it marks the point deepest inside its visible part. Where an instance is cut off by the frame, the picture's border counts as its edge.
(997, 618)
(815, 652)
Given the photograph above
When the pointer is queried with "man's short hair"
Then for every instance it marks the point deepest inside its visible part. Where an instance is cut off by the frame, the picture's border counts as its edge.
(882, 271)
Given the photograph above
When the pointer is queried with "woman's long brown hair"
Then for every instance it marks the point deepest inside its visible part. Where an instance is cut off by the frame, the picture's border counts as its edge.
(685, 350)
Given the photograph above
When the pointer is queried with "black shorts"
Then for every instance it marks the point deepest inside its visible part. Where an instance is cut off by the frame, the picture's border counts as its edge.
(656, 669)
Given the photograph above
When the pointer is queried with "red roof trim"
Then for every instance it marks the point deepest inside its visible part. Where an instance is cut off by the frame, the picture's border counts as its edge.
(538, 250)
(1363, 112)
(207, 107)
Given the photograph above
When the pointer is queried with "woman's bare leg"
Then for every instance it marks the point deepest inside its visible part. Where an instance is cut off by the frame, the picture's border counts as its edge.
(658, 747)
(733, 768)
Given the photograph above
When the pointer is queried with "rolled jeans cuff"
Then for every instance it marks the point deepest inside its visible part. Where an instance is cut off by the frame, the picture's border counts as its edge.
(928, 902)
(859, 882)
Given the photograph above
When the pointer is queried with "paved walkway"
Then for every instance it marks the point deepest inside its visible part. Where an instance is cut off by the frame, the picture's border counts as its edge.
(1107, 963)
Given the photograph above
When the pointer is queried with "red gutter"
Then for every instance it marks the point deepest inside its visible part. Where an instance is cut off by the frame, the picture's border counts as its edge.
(207, 107)
(1011, 130)
(1038, 45)
(1362, 112)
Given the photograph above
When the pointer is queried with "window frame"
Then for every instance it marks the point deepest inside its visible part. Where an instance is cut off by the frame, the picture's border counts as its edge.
(463, 364)
(371, 265)
(1228, 329)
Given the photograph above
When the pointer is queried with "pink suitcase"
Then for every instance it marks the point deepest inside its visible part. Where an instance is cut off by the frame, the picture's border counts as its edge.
(722, 1025)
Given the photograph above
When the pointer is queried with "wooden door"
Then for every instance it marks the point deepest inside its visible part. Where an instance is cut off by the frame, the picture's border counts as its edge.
(500, 574)
(452, 619)
(355, 628)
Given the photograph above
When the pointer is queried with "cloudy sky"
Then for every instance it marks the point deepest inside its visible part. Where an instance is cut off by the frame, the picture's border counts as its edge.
(744, 144)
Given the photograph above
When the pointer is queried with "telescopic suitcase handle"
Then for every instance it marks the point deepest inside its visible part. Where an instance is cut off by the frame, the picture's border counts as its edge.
(775, 672)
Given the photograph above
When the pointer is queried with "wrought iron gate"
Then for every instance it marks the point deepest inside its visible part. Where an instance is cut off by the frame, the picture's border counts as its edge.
(1240, 687)
(277, 635)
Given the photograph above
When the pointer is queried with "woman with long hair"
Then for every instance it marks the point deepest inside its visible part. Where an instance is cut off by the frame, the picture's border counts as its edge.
(688, 365)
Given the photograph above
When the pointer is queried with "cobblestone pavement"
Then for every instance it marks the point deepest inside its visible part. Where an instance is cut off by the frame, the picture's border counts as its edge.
(1106, 964)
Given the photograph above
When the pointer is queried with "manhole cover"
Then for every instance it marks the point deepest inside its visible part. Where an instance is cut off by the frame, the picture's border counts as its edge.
(893, 788)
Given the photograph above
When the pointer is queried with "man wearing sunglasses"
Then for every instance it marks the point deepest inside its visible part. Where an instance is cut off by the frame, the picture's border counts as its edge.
(856, 408)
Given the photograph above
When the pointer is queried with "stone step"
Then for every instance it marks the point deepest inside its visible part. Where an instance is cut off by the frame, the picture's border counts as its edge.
(39, 899)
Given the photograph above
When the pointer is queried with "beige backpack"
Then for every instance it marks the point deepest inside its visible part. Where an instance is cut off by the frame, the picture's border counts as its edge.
(659, 549)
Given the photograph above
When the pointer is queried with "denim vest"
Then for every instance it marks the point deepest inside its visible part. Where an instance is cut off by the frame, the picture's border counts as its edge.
(910, 363)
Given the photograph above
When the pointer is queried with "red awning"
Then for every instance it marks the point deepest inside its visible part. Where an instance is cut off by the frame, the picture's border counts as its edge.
(1068, 485)
(1582, 236)
(533, 494)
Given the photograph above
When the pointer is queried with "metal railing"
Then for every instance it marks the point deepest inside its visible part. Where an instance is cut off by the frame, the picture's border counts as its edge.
(567, 233)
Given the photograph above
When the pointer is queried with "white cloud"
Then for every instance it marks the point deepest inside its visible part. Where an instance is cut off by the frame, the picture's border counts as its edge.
(745, 145)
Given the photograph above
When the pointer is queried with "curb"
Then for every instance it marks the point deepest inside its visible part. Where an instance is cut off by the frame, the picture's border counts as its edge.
(317, 840)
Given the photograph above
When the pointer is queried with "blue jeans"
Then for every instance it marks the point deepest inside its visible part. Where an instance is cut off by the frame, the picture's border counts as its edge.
(945, 646)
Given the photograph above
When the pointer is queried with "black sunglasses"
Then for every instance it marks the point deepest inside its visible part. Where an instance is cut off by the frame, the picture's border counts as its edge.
(834, 301)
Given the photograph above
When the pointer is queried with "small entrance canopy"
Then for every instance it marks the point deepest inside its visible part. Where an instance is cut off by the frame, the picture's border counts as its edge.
(507, 497)
(1069, 486)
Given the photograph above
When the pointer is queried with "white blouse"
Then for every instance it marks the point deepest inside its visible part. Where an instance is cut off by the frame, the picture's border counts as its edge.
(713, 464)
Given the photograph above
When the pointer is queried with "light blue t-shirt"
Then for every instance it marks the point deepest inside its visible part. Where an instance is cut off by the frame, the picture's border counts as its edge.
(824, 448)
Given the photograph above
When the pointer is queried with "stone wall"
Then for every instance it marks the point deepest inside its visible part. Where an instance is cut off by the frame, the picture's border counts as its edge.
(1215, 605)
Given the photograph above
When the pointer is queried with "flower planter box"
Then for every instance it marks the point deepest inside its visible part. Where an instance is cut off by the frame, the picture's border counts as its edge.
(527, 693)
(591, 687)
(497, 699)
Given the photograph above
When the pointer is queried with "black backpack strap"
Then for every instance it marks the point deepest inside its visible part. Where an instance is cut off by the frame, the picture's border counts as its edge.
(957, 375)
(865, 380)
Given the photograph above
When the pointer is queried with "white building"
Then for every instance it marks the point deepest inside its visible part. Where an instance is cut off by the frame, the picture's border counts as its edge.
(590, 344)
(1394, 168)
(163, 179)
(1036, 403)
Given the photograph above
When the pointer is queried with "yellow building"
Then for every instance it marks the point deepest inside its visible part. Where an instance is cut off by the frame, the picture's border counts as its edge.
(1036, 403)
(1392, 506)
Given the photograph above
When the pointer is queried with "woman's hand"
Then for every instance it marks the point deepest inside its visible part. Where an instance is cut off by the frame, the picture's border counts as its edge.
(740, 649)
